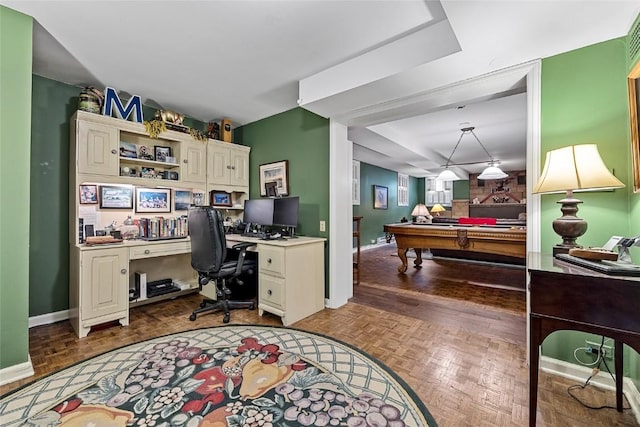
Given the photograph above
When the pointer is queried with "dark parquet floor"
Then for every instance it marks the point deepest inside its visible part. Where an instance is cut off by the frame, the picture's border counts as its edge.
(454, 331)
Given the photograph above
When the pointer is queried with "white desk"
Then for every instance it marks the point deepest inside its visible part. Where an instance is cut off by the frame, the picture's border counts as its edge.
(290, 277)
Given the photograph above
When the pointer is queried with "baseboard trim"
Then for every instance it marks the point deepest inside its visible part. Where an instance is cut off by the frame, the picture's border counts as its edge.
(16, 372)
(602, 380)
(48, 318)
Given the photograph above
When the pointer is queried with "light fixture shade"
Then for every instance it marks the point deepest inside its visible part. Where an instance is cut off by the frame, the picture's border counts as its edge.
(437, 208)
(447, 175)
(492, 172)
(576, 167)
(420, 210)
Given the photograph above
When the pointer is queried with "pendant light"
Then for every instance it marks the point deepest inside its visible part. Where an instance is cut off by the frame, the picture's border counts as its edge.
(491, 172)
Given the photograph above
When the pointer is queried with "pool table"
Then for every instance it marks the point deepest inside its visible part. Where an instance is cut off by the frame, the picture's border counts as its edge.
(498, 240)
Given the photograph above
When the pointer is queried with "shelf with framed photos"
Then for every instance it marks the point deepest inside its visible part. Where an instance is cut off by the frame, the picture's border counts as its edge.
(110, 149)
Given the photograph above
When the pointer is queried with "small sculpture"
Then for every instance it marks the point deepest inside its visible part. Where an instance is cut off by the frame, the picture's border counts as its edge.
(169, 116)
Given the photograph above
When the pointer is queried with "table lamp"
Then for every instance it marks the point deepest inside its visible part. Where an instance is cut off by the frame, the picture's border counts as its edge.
(576, 167)
(437, 208)
(421, 213)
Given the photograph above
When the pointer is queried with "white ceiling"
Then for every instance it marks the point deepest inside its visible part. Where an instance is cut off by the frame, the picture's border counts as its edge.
(396, 72)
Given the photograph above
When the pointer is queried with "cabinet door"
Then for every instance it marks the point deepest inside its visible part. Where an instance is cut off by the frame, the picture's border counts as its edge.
(218, 166)
(239, 167)
(104, 283)
(193, 162)
(97, 149)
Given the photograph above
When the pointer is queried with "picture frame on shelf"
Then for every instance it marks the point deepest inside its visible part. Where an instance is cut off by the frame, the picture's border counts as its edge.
(116, 197)
(182, 200)
(157, 200)
(380, 197)
(220, 198)
(161, 153)
(128, 150)
(88, 194)
(277, 172)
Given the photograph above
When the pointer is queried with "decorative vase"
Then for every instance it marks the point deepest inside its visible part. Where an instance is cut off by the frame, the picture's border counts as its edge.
(90, 100)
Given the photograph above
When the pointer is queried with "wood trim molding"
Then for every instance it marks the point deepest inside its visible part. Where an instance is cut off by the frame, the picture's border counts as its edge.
(634, 100)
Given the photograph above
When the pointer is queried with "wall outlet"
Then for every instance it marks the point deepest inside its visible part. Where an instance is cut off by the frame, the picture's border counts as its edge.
(323, 226)
(608, 350)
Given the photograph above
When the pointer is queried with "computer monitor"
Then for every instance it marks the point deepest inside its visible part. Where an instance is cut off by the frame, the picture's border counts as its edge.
(285, 211)
(258, 211)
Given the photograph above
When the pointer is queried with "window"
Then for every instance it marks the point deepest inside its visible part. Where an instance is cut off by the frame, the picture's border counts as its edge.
(438, 192)
(403, 189)
(355, 183)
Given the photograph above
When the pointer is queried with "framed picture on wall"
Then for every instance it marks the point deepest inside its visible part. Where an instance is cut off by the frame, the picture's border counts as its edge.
(88, 194)
(277, 172)
(380, 197)
(153, 199)
(182, 200)
(114, 197)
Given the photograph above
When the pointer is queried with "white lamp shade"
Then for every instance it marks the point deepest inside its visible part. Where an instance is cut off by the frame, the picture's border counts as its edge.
(492, 172)
(576, 167)
(420, 210)
(447, 175)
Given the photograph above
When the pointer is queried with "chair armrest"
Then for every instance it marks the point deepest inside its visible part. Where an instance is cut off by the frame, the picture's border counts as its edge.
(242, 247)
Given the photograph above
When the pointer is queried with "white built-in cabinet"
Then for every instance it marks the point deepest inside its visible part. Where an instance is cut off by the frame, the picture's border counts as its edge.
(101, 276)
(227, 165)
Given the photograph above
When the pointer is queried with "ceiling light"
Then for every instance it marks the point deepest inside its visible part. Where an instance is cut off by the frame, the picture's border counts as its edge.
(491, 172)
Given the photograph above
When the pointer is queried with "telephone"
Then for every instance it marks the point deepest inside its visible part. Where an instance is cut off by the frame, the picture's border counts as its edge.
(623, 244)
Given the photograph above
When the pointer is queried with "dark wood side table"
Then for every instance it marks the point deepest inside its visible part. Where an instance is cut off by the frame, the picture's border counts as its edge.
(567, 296)
(356, 235)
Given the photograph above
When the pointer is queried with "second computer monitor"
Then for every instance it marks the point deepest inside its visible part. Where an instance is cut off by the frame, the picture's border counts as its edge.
(285, 211)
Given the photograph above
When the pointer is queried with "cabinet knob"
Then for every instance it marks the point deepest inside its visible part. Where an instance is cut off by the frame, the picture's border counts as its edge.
(185, 161)
(269, 292)
(147, 251)
(268, 260)
(114, 151)
(123, 271)
(233, 167)
(228, 167)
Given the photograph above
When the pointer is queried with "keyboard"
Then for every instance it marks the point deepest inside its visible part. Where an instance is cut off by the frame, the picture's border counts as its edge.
(161, 289)
(608, 267)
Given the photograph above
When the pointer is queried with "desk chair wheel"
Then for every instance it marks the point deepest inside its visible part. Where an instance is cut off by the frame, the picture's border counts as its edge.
(203, 304)
(192, 317)
(252, 306)
(226, 318)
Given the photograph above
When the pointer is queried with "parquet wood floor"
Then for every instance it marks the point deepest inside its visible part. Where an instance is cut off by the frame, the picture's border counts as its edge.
(454, 331)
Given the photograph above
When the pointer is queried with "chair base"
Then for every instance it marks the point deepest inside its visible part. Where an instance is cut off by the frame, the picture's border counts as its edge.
(222, 304)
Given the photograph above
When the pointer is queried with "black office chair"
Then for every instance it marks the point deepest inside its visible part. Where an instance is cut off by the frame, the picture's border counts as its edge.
(209, 259)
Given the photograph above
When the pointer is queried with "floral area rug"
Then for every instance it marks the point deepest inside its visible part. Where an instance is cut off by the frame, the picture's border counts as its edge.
(236, 376)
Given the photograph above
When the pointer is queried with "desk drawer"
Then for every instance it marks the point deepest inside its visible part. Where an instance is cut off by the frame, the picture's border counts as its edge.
(271, 260)
(159, 249)
(271, 291)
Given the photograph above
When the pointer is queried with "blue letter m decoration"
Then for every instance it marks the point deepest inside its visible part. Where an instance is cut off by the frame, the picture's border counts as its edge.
(111, 98)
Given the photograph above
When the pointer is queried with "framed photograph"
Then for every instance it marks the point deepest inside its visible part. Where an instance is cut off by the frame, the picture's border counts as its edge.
(272, 189)
(88, 194)
(198, 198)
(182, 200)
(113, 197)
(277, 172)
(633, 84)
(220, 198)
(161, 153)
(129, 150)
(153, 199)
(380, 197)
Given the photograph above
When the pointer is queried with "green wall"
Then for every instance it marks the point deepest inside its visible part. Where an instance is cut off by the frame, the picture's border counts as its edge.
(302, 138)
(15, 119)
(373, 220)
(584, 100)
